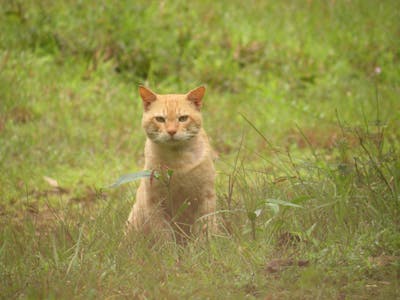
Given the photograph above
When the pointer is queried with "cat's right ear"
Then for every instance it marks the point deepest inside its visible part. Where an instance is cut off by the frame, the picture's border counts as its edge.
(147, 95)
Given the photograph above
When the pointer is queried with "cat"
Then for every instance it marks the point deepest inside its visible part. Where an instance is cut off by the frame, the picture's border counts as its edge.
(179, 198)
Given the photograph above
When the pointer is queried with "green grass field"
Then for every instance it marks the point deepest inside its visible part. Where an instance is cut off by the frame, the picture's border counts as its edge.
(302, 106)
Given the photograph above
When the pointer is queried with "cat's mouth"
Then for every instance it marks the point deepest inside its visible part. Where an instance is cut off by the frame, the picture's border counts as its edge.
(168, 140)
(173, 140)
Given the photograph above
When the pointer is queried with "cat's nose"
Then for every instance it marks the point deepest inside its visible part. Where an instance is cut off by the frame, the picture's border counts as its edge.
(171, 132)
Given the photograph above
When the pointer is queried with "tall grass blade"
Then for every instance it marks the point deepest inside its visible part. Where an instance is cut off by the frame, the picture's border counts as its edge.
(282, 202)
(76, 252)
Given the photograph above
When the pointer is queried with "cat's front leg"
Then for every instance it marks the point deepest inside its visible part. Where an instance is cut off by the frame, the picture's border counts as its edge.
(206, 223)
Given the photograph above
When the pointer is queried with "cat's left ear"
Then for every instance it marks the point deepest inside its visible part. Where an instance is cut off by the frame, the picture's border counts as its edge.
(196, 96)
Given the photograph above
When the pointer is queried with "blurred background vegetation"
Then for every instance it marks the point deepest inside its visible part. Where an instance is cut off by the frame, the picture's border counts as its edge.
(302, 106)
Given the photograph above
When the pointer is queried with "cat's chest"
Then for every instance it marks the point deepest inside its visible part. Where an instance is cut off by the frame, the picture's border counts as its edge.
(177, 159)
(176, 162)
(181, 185)
(181, 181)
(186, 174)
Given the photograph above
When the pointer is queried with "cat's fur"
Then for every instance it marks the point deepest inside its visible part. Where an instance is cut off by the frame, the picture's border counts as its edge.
(177, 204)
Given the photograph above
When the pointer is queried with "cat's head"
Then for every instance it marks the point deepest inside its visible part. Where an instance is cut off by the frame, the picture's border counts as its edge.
(171, 119)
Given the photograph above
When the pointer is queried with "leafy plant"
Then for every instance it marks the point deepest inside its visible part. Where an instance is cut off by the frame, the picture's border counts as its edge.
(132, 177)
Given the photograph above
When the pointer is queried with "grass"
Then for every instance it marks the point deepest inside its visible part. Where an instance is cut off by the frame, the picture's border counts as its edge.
(302, 105)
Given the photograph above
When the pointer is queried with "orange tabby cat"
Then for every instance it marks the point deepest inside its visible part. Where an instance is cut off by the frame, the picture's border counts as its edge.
(173, 202)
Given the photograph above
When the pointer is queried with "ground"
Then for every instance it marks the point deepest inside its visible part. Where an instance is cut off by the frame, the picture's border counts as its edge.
(302, 106)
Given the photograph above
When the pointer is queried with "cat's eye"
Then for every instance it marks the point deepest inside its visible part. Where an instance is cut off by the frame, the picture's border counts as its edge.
(183, 118)
(160, 119)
